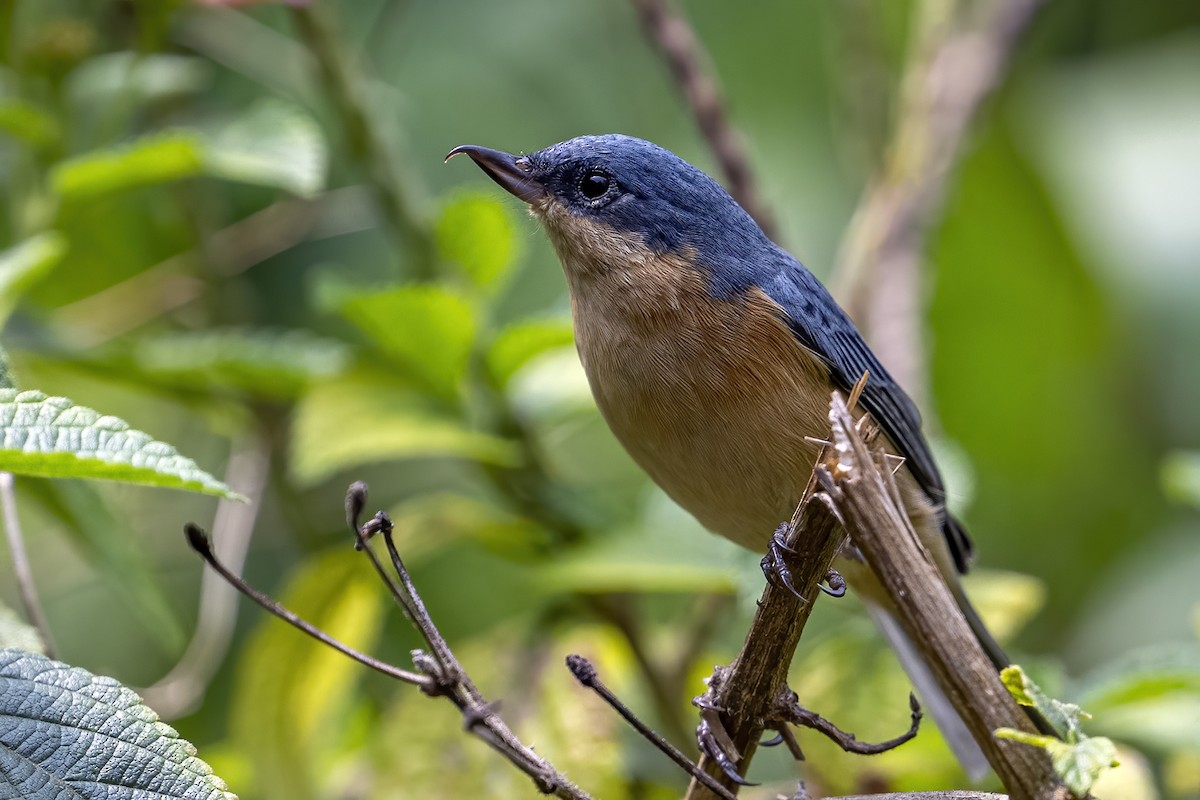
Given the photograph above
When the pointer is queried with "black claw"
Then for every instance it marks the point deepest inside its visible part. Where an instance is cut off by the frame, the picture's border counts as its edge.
(774, 741)
(707, 741)
(774, 563)
(836, 584)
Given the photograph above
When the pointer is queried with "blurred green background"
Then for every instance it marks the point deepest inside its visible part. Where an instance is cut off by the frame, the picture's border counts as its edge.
(232, 227)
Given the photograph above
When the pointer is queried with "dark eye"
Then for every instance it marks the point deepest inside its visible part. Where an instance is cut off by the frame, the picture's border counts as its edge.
(594, 184)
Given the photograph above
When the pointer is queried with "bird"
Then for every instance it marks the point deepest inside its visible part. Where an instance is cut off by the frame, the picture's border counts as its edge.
(712, 352)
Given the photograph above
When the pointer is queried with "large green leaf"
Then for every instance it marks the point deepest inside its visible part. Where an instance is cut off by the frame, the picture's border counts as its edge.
(476, 232)
(1181, 476)
(156, 158)
(519, 344)
(428, 329)
(70, 734)
(25, 264)
(274, 144)
(52, 437)
(270, 363)
(362, 417)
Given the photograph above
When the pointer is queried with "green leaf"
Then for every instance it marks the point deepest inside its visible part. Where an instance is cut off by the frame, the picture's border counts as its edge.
(25, 264)
(1079, 764)
(1152, 696)
(29, 123)
(1063, 717)
(274, 144)
(268, 363)
(428, 329)
(69, 733)
(362, 417)
(156, 158)
(1078, 759)
(476, 232)
(51, 437)
(519, 344)
(1181, 477)
(292, 694)
(16, 633)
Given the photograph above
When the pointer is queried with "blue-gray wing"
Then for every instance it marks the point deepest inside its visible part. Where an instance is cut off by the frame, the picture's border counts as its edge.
(823, 327)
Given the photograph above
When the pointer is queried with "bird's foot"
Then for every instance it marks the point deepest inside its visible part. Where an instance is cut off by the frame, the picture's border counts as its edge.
(774, 563)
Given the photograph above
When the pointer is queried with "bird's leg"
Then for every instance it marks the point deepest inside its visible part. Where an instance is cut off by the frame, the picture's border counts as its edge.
(774, 563)
(834, 584)
(715, 743)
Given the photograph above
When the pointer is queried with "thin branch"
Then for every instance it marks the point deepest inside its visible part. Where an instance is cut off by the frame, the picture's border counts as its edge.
(199, 541)
(956, 64)
(671, 33)
(585, 673)
(22, 571)
(791, 711)
(181, 689)
(861, 487)
(348, 92)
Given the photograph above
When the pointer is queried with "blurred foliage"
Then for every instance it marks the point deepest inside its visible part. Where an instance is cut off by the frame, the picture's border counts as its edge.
(230, 223)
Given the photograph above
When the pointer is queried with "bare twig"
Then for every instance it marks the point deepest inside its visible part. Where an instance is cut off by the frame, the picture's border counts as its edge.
(440, 675)
(863, 491)
(791, 711)
(347, 91)
(956, 63)
(671, 33)
(199, 541)
(585, 673)
(179, 690)
(22, 570)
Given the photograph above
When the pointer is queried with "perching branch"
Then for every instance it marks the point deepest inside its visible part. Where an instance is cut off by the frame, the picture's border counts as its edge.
(681, 49)
(866, 498)
(439, 674)
(960, 54)
(742, 695)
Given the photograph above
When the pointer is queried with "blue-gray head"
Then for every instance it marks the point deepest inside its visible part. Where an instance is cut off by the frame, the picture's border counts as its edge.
(594, 193)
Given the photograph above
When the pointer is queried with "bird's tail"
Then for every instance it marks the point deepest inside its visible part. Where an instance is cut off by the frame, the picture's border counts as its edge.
(933, 699)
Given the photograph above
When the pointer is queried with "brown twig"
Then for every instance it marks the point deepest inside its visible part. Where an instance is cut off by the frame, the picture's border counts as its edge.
(864, 493)
(585, 673)
(955, 65)
(789, 709)
(671, 33)
(439, 673)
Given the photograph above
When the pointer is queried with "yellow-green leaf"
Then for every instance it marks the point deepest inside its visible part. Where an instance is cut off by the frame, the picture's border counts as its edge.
(156, 158)
(519, 344)
(476, 232)
(428, 329)
(25, 264)
(362, 418)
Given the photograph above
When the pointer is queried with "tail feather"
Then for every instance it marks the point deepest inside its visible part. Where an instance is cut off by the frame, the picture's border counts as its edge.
(933, 699)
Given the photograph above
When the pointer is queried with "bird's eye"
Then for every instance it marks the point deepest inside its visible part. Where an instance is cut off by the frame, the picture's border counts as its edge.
(594, 184)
